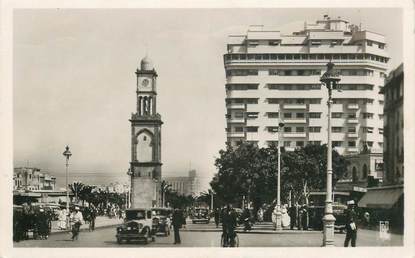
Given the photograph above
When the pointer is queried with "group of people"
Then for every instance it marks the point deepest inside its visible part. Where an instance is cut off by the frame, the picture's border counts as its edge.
(294, 216)
(31, 218)
(38, 219)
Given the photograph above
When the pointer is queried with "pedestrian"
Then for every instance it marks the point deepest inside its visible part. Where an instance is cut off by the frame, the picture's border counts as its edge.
(93, 216)
(260, 215)
(285, 218)
(351, 228)
(292, 211)
(229, 224)
(42, 224)
(62, 218)
(274, 217)
(304, 218)
(76, 219)
(177, 224)
(216, 215)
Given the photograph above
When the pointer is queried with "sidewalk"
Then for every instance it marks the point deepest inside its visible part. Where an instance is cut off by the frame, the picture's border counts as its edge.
(100, 222)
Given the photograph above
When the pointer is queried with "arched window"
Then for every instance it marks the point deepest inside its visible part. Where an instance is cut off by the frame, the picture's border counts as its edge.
(364, 169)
(354, 174)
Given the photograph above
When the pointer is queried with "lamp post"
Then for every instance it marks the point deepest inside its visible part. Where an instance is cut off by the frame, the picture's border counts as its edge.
(278, 213)
(67, 153)
(330, 79)
(211, 199)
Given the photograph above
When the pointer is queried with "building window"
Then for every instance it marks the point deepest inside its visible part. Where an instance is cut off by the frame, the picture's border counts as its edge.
(367, 129)
(300, 115)
(287, 115)
(336, 129)
(315, 142)
(287, 143)
(299, 144)
(252, 129)
(299, 129)
(336, 143)
(273, 114)
(351, 144)
(351, 115)
(351, 130)
(367, 115)
(354, 175)
(239, 114)
(287, 129)
(314, 115)
(336, 115)
(315, 101)
(314, 129)
(239, 129)
(364, 169)
(369, 43)
(380, 130)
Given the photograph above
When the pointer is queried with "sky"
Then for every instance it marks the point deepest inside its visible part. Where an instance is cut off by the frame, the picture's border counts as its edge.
(74, 82)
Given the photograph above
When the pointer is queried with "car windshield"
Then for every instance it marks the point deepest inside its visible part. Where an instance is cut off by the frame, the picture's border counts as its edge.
(135, 214)
(161, 212)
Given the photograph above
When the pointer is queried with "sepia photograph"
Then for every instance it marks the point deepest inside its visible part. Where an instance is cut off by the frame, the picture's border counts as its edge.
(212, 128)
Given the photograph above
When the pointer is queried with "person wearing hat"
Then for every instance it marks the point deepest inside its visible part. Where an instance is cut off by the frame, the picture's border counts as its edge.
(76, 219)
(351, 228)
(42, 224)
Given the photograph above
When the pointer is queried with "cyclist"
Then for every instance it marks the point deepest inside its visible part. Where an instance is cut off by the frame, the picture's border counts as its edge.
(229, 223)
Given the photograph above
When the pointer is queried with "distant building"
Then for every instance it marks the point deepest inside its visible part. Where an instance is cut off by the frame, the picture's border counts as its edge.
(387, 201)
(393, 150)
(184, 185)
(365, 170)
(31, 179)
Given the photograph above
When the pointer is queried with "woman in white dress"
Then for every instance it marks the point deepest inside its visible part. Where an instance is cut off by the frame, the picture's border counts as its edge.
(62, 219)
(286, 220)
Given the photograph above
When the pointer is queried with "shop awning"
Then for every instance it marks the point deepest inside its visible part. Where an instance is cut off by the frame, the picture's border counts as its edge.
(380, 198)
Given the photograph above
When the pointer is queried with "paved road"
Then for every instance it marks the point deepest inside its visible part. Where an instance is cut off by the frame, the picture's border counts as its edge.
(199, 236)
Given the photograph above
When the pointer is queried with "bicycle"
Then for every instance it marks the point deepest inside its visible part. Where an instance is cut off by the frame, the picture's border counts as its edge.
(227, 240)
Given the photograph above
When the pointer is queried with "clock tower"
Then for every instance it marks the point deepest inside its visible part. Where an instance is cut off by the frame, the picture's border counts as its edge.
(145, 165)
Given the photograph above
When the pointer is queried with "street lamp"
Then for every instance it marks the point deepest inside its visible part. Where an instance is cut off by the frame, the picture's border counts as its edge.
(67, 153)
(278, 212)
(330, 79)
(211, 199)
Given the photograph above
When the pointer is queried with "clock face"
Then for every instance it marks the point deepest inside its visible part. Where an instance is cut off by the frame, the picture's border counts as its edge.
(145, 82)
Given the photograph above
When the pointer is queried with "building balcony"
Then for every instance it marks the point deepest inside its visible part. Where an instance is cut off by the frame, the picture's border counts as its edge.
(353, 106)
(295, 106)
(235, 135)
(294, 135)
(352, 149)
(295, 121)
(336, 108)
(352, 135)
(235, 106)
(352, 121)
(235, 120)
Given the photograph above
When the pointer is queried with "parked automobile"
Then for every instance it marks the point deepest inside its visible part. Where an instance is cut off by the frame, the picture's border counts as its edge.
(138, 225)
(200, 215)
(317, 206)
(162, 220)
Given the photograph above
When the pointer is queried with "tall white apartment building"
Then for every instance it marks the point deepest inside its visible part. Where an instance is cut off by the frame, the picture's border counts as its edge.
(271, 77)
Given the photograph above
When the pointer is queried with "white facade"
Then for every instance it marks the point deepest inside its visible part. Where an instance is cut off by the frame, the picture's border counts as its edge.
(272, 77)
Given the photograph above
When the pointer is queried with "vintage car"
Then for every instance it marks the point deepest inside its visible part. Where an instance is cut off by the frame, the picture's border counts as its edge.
(162, 220)
(317, 206)
(137, 225)
(200, 215)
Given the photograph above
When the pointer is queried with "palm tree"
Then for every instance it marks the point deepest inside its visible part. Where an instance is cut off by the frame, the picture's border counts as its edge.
(76, 188)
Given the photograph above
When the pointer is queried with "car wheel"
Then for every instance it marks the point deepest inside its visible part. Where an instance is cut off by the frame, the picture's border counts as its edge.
(146, 238)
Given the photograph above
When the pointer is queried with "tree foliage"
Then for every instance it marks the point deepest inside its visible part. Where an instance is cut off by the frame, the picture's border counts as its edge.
(247, 170)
